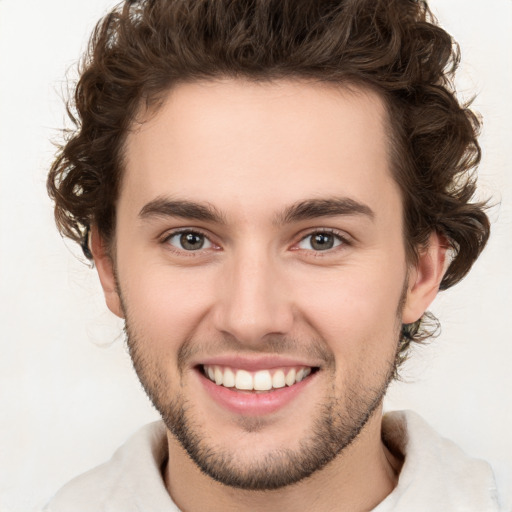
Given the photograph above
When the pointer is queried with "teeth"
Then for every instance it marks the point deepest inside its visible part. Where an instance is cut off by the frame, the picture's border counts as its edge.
(229, 378)
(243, 380)
(262, 380)
(219, 376)
(290, 377)
(278, 380)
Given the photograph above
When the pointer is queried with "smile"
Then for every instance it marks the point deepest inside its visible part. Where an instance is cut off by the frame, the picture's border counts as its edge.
(262, 380)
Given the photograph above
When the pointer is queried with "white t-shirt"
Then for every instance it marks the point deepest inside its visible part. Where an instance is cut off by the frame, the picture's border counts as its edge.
(436, 476)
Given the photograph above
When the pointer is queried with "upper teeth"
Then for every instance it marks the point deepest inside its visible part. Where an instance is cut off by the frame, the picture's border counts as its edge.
(262, 380)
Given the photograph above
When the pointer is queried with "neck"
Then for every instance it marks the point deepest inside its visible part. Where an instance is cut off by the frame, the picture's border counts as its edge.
(358, 479)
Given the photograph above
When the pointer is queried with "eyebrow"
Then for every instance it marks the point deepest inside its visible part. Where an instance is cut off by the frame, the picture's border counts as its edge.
(314, 208)
(302, 210)
(162, 207)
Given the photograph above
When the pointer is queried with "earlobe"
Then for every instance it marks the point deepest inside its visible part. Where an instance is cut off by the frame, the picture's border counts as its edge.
(425, 279)
(105, 268)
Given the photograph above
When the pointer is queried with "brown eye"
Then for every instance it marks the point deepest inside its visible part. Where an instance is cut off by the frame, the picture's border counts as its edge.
(320, 241)
(189, 241)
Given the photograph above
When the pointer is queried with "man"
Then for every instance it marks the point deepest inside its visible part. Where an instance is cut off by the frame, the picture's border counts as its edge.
(273, 193)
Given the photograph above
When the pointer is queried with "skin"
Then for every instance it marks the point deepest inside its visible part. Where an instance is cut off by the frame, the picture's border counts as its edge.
(251, 152)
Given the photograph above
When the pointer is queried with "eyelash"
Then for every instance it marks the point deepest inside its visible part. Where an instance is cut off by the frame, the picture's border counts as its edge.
(342, 239)
(168, 236)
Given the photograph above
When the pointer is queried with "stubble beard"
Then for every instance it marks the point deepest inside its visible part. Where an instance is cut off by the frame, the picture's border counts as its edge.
(338, 421)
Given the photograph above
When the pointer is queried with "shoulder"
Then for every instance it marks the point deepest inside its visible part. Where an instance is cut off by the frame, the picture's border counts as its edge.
(436, 474)
(130, 481)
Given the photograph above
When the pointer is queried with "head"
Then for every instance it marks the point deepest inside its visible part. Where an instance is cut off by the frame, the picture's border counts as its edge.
(295, 126)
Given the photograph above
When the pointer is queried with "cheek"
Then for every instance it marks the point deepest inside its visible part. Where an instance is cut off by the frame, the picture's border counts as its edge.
(164, 304)
(353, 309)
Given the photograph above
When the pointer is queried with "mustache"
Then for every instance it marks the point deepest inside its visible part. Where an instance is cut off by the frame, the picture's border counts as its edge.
(314, 349)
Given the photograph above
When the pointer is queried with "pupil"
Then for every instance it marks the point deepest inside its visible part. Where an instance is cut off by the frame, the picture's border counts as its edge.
(322, 241)
(191, 241)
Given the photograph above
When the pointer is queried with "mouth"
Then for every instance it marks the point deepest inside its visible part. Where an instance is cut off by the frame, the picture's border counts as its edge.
(256, 386)
(260, 381)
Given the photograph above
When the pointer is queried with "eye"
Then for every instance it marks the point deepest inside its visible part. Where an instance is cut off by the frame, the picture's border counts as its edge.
(320, 241)
(189, 241)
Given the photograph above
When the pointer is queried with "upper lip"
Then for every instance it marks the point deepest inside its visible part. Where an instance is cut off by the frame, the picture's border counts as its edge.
(255, 363)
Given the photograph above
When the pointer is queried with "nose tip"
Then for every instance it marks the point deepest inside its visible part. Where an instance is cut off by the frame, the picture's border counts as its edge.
(250, 328)
(253, 304)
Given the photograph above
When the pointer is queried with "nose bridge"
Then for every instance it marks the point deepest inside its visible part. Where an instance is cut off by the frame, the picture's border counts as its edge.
(253, 300)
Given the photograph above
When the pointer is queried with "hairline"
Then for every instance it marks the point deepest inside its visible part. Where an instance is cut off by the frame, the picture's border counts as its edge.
(150, 105)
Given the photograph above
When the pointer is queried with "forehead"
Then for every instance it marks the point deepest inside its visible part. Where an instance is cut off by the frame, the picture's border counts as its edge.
(238, 143)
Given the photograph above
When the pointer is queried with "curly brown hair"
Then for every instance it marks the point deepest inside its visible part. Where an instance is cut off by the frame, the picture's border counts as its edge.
(145, 47)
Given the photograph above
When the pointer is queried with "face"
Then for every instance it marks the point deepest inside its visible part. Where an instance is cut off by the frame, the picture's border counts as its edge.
(261, 270)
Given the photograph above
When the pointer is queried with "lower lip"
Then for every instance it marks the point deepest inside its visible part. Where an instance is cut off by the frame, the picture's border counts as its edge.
(254, 404)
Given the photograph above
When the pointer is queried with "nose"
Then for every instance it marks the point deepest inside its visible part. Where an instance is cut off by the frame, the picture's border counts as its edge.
(254, 299)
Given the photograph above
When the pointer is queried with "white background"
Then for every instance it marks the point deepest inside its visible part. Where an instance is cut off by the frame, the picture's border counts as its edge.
(68, 396)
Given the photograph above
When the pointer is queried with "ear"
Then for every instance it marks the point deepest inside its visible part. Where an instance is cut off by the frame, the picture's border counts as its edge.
(105, 267)
(425, 278)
